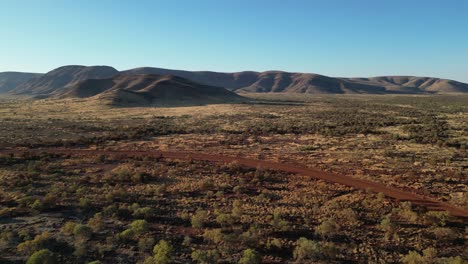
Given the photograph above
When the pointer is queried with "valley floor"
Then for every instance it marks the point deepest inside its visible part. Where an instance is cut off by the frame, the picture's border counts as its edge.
(416, 144)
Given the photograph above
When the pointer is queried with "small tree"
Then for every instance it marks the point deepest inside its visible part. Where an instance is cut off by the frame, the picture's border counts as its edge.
(250, 256)
(162, 252)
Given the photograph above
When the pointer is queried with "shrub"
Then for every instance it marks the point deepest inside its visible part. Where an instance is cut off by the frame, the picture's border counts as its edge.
(144, 212)
(39, 242)
(436, 218)
(199, 219)
(162, 252)
(85, 203)
(145, 244)
(96, 222)
(250, 256)
(238, 189)
(225, 220)
(407, 212)
(160, 190)
(329, 250)
(237, 210)
(214, 235)
(43, 256)
(278, 223)
(139, 226)
(306, 250)
(205, 256)
(327, 228)
(127, 234)
(82, 231)
(413, 257)
(250, 237)
(454, 260)
(274, 243)
(149, 260)
(387, 226)
(68, 227)
(444, 234)
(37, 205)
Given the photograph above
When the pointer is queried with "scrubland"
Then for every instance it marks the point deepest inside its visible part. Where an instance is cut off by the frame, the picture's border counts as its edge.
(124, 209)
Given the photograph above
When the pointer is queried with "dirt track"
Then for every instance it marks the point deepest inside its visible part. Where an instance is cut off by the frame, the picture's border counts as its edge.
(393, 193)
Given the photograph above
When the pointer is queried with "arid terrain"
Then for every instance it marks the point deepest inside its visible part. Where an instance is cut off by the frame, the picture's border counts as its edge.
(274, 179)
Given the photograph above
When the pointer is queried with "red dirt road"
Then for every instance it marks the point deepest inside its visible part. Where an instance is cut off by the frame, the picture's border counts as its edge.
(400, 195)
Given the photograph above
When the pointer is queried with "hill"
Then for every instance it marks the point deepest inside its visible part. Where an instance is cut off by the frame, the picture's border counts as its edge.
(11, 80)
(62, 78)
(59, 80)
(287, 82)
(143, 89)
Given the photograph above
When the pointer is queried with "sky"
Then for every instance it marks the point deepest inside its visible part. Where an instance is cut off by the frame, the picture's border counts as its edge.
(347, 38)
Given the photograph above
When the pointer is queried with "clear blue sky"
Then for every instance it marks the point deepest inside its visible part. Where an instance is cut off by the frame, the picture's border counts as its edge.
(337, 38)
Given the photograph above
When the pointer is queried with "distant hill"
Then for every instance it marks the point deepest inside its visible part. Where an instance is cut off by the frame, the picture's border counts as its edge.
(59, 80)
(144, 89)
(11, 80)
(62, 78)
(287, 82)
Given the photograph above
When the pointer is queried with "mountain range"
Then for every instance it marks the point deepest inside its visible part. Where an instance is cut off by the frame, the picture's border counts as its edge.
(153, 83)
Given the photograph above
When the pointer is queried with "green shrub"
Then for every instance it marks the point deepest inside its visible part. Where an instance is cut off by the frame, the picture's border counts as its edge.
(96, 222)
(82, 231)
(250, 256)
(214, 235)
(162, 252)
(144, 212)
(436, 218)
(225, 220)
(68, 228)
(413, 257)
(43, 256)
(307, 250)
(205, 256)
(139, 226)
(237, 210)
(85, 203)
(327, 228)
(39, 242)
(199, 219)
(127, 234)
(278, 223)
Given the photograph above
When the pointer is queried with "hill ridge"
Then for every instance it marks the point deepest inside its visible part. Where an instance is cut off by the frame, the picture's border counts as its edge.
(62, 78)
